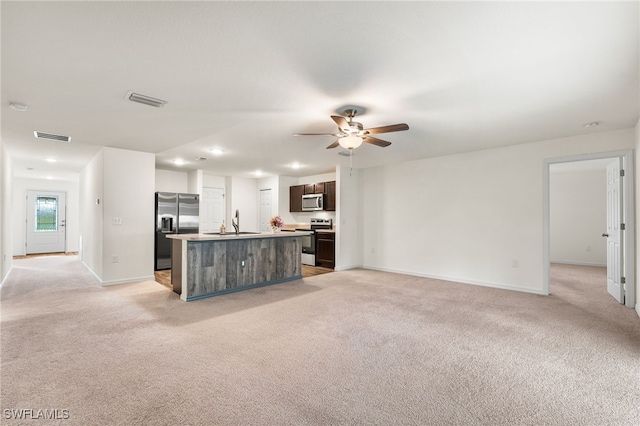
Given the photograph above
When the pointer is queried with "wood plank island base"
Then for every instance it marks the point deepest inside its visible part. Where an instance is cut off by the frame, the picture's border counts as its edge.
(205, 265)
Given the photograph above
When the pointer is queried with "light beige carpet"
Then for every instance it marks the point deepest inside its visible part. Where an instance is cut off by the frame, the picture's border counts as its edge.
(352, 347)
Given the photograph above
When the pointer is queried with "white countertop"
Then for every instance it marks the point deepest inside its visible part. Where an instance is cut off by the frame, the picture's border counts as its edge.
(233, 236)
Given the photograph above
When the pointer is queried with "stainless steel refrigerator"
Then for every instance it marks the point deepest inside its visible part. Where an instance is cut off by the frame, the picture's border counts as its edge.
(175, 214)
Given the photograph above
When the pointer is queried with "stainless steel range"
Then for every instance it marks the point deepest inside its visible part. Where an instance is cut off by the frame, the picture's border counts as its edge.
(309, 242)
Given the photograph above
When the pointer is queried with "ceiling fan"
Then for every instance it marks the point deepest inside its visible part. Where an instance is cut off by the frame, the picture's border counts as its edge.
(351, 133)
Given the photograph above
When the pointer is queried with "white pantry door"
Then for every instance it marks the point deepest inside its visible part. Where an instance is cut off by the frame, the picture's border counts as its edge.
(265, 209)
(211, 209)
(46, 227)
(614, 231)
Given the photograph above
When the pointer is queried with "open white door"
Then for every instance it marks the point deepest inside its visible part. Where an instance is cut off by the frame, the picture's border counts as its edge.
(46, 230)
(615, 259)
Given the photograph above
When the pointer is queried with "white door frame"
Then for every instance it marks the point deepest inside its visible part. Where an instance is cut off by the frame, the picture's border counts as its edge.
(629, 217)
(32, 239)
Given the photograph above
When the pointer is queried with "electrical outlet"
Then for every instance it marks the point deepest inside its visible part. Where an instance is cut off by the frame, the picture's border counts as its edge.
(116, 221)
(243, 263)
(114, 258)
(515, 264)
(588, 248)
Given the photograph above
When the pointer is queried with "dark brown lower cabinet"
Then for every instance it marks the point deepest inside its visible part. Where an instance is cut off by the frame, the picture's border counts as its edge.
(325, 249)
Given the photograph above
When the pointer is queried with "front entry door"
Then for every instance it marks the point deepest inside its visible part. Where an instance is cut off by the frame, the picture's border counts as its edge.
(614, 231)
(46, 230)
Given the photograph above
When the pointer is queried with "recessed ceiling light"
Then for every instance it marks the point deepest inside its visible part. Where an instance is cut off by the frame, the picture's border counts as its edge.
(178, 162)
(144, 99)
(593, 124)
(258, 172)
(18, 107)
(296, 165)
(201, 158)
(217, 151)
(49, 177)
(51, 160)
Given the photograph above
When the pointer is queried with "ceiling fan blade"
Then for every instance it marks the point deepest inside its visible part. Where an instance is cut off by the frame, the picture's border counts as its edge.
(342, 123)
(376, 141)
(388, 129)
(334, 145)
(317, 134)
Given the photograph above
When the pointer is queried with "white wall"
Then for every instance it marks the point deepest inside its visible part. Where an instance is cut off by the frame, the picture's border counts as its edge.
(284, 183)
(213, 181)
(72, 220)
(348, 249)
(637, 175)
(467, 217)
(129, 182)
(91, 214)
(6, 231)
(171, 181)
(195, 182)
(578, 216)
(241, 195)
(123, 181)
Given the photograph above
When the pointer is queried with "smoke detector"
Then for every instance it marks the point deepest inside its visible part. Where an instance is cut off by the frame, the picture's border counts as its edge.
(18, 107)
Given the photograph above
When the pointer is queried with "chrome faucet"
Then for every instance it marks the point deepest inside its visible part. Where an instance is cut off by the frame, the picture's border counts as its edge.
(236, 222)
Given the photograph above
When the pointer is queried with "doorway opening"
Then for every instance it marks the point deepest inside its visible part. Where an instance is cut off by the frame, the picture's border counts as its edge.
(625, 290)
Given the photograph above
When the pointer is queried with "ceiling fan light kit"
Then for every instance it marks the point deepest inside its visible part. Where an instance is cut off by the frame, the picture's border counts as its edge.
(352, 134)
(350, 142)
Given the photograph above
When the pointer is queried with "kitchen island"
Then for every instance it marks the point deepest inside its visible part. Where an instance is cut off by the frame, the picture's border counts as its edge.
(205, 265)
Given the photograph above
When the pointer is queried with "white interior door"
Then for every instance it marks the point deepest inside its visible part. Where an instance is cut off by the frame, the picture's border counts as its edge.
(46, 227)
(211, 209)
(265, 209)
(614, 231)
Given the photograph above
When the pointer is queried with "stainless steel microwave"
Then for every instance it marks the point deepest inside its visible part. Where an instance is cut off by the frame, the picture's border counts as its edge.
(312, 202)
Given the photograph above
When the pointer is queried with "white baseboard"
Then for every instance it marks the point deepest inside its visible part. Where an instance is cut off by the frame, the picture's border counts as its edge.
(346, 268)
(638, 309)
(461, 281)
(92, 272)
(129, 280)
(121, 281)
(569, 262)
(6, 277)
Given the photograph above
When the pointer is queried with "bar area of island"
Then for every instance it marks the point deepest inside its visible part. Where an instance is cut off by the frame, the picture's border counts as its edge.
(205, 265)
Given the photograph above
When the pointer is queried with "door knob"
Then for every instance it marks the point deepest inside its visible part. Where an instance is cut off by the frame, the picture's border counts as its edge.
(605, 235)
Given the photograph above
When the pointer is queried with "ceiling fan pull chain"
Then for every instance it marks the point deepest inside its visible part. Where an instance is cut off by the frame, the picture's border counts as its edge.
(350, 161)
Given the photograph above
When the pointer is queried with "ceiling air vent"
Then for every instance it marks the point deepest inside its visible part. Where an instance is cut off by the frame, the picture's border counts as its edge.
(144, 99)
(43, 135)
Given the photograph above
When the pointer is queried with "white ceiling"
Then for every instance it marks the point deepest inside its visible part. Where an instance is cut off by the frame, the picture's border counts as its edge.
(244, 76)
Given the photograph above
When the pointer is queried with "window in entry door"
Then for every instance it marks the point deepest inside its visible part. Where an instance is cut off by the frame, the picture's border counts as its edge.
(46, 214)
